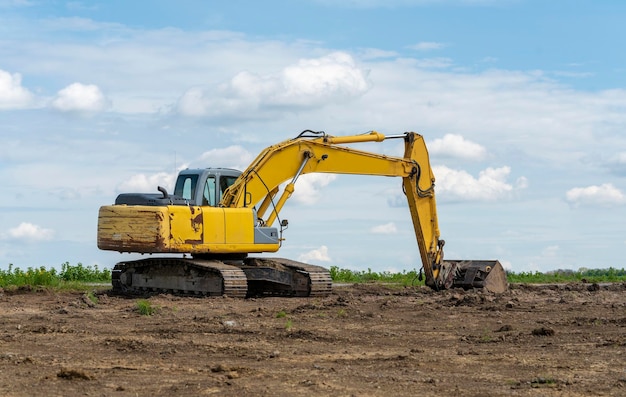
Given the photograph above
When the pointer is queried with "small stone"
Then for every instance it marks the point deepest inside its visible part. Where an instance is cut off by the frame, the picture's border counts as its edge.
(220, 368)
(543, 331)
(505, 328)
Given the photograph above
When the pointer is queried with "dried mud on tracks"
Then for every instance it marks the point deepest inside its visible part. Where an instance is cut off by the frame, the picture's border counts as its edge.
(363, 340)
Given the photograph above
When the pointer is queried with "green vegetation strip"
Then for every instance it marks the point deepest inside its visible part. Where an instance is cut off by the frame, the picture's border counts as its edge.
(75, 276)
(70, 276)
(412, 277)
(609, 275)
(353, 276)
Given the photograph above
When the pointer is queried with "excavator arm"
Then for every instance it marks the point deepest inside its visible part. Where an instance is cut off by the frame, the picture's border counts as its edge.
(316, 152)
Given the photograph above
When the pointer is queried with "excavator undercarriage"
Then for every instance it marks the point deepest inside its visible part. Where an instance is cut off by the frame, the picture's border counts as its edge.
(213, 277)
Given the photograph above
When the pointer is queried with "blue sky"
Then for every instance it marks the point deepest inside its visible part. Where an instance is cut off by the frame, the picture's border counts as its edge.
(522, 104)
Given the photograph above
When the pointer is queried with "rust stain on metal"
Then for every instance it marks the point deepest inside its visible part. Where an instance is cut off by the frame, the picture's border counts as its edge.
(196, 222)
(160, 243)
(196, 225)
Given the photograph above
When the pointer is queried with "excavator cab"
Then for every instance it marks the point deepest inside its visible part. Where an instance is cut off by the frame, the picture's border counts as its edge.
(204, 186)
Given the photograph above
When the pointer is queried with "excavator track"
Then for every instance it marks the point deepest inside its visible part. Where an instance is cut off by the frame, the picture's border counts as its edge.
(240, 279)
(179, 276)
(285, 277)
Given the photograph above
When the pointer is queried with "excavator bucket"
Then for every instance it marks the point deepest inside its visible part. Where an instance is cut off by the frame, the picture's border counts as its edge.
(489, 275)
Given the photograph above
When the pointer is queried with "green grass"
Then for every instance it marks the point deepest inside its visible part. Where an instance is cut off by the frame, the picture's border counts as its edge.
(411, 277)
(352, 276)
(70, 276)
(145, 308)
(92, 297)
(564, 276)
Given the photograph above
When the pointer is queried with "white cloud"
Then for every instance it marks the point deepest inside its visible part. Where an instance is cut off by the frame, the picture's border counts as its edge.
(434, 63)
(310, 83)
(317, 255)
(605, 195)
(81, 98)
(141, 183)
(550, 251)
(230, 157)
(322, 78)
(12, 94)
(28, 232)
(307, 189)
(387, 228)
(427, 46)
(454, 145)
(490, 185)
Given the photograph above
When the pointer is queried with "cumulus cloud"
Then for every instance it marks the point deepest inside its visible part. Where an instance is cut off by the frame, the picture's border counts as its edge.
(142, 183)
(230, 157)
(12, 94)
(29, 232)
(387, 228)
(307, 189)
(79, 97)
(317, 255)
(605, 195)
(454, 145)
(490, 185)
(310, 83)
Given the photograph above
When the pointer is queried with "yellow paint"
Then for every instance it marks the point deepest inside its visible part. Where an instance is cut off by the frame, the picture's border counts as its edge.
(239, 225)
(214, 227)
(133, 228)
(186, 226)
(178, 229)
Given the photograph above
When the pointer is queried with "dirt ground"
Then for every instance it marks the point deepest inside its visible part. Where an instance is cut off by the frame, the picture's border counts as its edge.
(363, 340)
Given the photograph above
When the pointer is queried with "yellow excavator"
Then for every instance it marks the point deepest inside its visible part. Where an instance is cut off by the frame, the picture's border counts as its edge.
(217, 217)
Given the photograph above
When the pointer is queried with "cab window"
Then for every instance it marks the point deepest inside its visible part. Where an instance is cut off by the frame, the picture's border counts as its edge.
(186, 186)
(225, 182)
(208, 196)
